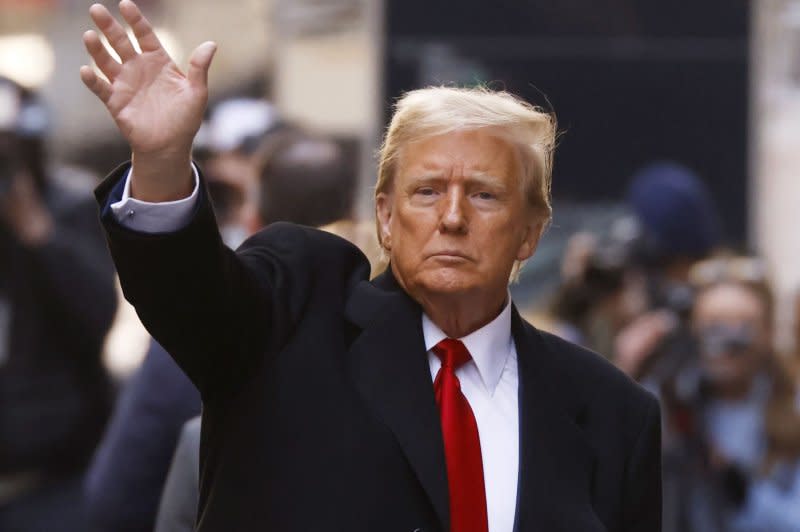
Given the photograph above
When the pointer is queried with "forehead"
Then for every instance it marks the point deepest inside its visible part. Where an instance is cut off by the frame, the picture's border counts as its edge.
(729, 302)
(482, 150)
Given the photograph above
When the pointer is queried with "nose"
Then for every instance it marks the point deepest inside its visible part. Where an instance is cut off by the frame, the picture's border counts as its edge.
(454, 216)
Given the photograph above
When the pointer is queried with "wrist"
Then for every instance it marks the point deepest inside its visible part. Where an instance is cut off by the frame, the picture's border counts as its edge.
(161, 177)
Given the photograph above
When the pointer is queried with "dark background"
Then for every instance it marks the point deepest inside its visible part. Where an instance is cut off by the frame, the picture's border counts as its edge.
(631, 82)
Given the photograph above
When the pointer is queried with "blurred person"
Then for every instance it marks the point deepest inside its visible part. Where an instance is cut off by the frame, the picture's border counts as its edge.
(309, 180)
(602, 288)
(739, 427)
(228, 146)
(57, 301)
(127, 474)
(305, 179)
(678, 226)
(335, 401)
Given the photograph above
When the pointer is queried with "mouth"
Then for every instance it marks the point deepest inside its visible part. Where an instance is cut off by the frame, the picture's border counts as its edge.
(450, 256)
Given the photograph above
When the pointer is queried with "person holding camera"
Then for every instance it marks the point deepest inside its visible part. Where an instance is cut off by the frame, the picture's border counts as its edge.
(57, 301)
(737, 424)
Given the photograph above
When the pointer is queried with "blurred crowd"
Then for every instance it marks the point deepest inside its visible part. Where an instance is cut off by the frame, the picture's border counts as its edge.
(661, 296)
(657, 293)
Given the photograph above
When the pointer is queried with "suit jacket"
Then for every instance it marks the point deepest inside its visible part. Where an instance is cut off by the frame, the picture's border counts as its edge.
(318, 406)
(124, 481)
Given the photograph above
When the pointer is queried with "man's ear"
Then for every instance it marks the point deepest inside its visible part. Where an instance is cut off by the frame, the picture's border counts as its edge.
(383, 212)
(530, 240)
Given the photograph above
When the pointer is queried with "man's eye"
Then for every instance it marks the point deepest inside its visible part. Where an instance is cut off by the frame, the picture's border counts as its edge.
(426, 191)
(485, 195)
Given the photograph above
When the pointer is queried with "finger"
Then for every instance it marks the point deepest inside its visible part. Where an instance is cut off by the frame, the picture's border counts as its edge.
(100, 87)
(148, 40)
(113, 31)
(199, 63)
(107, 64)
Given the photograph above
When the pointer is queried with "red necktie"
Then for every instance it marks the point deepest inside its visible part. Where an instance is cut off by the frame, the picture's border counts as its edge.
(462, 447)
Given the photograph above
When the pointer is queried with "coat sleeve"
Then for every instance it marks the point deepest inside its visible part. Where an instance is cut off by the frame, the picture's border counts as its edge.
(216, 311)
(642, 490)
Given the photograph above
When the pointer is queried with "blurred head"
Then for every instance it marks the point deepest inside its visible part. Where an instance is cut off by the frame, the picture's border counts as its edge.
(463, 191)
(674, 208)
(732, 320)
(226, 145)
(306, 179)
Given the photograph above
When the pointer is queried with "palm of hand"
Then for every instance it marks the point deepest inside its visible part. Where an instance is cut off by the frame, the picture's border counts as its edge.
(153, 103)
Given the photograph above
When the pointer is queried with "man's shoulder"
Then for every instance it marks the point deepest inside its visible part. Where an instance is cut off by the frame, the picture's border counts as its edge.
(300, 258)
(305, 243)
(588, 373)
(295, 234)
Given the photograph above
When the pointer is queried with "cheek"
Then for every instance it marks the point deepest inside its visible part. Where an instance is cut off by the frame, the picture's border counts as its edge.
(413, 225)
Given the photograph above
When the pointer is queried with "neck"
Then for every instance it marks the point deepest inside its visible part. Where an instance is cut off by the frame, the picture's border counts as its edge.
(458, 316)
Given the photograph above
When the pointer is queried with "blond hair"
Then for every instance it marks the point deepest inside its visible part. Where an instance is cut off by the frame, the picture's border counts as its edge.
(433, 111)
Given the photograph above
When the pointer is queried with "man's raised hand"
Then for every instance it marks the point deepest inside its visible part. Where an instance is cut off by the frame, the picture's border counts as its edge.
(157, 107)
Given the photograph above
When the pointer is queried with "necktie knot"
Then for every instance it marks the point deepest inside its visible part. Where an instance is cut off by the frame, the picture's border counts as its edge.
(453, 353)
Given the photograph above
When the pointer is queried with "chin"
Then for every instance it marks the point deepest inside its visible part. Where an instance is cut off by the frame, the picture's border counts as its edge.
(446, 281)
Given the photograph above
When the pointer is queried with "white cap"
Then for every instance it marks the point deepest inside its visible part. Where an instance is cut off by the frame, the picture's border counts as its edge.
(234, 121)
(24, 118)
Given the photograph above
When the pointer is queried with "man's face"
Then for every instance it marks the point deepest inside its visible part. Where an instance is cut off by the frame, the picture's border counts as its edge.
(455, 218)
(729, 322)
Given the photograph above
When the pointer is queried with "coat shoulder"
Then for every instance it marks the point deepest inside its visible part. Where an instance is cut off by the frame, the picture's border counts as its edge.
(592, 376)
(298, 243)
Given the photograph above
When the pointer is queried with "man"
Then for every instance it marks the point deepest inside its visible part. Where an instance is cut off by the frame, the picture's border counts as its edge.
(419, 401)
(57, 301)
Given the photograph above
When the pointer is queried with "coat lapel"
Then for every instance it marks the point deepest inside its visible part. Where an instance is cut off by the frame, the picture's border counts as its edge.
(556, 461)
(389, 366)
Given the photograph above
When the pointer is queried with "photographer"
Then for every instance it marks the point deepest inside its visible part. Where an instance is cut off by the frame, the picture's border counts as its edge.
(602, 287)
(679, 226)
(739, 433)
(57, 301)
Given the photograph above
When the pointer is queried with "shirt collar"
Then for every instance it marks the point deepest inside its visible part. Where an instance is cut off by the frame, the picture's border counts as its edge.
(489, 346)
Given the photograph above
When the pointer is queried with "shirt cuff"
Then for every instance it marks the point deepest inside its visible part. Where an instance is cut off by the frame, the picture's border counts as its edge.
(162, 217)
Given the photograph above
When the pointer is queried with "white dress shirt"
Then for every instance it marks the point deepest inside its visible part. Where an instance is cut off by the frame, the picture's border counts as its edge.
(489, 381)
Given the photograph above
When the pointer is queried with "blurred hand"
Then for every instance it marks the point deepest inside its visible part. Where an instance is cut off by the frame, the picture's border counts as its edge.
(580, 248)
(157, 108)
(638, 341)
(24, 212)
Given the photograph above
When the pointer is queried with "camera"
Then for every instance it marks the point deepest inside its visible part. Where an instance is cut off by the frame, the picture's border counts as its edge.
(721, 339)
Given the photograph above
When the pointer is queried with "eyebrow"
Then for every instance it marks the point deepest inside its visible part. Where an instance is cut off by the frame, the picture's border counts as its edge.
(477, 177)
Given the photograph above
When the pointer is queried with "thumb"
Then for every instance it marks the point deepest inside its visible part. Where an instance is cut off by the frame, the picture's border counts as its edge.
(199, 63)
